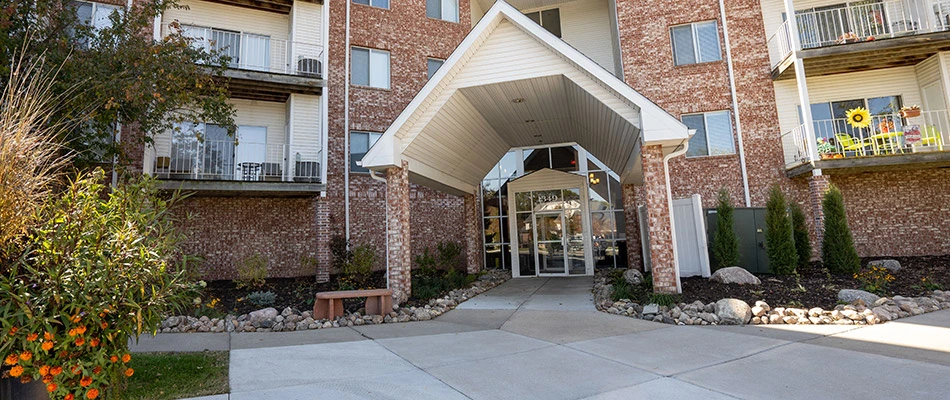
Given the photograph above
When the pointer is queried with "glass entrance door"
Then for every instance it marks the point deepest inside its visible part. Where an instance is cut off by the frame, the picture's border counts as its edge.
(551, 240)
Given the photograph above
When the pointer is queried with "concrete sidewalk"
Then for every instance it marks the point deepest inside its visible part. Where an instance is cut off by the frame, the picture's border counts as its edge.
(541, 338)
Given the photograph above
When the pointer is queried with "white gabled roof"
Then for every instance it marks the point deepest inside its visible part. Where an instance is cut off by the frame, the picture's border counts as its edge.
(463, 120)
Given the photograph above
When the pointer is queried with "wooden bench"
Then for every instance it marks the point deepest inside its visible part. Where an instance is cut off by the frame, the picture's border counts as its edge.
(330, 304)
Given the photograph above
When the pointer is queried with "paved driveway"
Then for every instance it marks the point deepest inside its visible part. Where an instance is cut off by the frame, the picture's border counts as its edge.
(542, 339)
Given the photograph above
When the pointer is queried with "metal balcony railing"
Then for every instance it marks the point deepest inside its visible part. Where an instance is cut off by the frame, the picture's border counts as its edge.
(888, 134)
(257, 52)
(222, 160)
(860, 23)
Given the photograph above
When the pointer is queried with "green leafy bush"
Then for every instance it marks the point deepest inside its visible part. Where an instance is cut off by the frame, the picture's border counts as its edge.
(339, 252)
(450, 255)
(262, 299)
(96, 271)
(837, 247)
(664, 299)
(437, 274)
(356, 272)
(779, 240)
(725, 242)
(252, 272)
(800, 233)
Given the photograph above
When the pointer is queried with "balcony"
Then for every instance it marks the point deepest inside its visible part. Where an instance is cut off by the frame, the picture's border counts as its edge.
(838, 39)
(262, 67)
(891, 142)
(224, 167)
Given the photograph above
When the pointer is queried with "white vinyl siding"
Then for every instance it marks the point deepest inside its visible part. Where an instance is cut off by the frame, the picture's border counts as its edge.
(305, 133)
(507, 54)
(900, 81)
(96, 15)
(447, 10)
(695, 43)
(307, 30)
(239, 19)
(713, 134)
(269, 114)
(370, 67)
(586, 26)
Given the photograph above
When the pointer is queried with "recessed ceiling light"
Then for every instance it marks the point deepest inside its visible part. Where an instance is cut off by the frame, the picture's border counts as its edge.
(518, 100)
(529, 121)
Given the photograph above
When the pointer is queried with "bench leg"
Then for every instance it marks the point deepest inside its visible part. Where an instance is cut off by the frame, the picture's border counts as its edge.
(379, 305)
(336, 310)
(321, 309)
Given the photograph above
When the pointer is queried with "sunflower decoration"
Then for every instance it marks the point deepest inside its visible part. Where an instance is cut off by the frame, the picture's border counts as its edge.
(858, 117)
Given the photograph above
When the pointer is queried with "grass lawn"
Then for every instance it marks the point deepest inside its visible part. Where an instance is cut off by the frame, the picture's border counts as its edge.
(177, 375)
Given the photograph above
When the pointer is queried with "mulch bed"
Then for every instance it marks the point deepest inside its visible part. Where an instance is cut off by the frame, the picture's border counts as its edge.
(299, 293)
(816, 289)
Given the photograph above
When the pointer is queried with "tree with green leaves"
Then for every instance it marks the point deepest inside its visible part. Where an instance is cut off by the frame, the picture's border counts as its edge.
(779, 240)
(110, 70)
(725, 242)
(837, 248)
(802, 240)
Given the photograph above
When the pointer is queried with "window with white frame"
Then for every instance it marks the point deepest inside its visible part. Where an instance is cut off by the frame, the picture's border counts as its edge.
(95, 15)
(360, 142)
(443, 9)
(695, 43)
(548, 19)
(374, 3)
(370, 67)
(713, 134)
(433, 65)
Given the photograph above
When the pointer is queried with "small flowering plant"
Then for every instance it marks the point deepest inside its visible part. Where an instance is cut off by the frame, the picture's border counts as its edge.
(95, 272)
(875, 279)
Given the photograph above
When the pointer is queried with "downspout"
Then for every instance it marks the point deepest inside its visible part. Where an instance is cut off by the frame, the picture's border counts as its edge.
(669, 205)
(372, 174)
(346, 129)
(735, 103)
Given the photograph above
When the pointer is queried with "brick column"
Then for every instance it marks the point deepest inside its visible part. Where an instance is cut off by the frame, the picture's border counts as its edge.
(473, 243)
(632, 217)
(397, 235)
(817, 186)
(663, 258)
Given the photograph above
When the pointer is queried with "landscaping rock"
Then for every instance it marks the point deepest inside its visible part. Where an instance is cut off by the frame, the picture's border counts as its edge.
(850, 295)
(734, 275)
(651, 309)
(633, 276)
(892, 265)
(733, 311)
(421, 314)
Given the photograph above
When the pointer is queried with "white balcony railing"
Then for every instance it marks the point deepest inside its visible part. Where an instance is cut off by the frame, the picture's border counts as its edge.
(888, 134)
(223, 160)
(258, 52)
(861, 23)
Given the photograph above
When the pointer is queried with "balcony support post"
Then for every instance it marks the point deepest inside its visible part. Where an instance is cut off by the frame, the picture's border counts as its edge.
(811, 141)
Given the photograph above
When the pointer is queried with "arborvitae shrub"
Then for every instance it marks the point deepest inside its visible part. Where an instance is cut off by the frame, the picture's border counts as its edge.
(779, 242)
(837, 247)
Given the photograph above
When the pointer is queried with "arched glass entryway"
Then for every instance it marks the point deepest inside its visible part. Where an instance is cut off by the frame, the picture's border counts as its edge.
(556, 211)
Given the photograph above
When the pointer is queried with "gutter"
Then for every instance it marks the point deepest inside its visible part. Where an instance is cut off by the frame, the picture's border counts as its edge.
(669, 205)
(346, 128)
(735, 103)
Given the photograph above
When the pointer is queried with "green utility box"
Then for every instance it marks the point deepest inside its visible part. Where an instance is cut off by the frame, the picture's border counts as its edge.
(749, 224)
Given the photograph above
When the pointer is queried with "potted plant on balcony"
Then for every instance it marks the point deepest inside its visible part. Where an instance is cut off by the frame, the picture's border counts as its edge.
(825, 148)
(910, 111)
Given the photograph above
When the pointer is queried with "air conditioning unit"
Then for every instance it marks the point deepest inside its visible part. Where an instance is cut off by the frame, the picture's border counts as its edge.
(309, 66)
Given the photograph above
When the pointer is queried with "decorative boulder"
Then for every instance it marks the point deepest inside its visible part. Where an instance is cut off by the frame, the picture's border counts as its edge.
(733, 311)
(851, 295)
(734, 275)
(892, 265)
(263, 318)
(633, 276)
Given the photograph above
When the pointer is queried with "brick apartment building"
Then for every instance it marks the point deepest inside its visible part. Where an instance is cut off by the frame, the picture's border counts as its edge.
(551, 137)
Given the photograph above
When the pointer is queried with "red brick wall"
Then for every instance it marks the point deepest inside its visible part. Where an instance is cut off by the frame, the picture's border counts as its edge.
(226, 230)
(411, 38)
(899, 213)
(648, 67)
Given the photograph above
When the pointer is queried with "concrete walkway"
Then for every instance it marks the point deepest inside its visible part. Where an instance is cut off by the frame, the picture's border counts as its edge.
(542, 338)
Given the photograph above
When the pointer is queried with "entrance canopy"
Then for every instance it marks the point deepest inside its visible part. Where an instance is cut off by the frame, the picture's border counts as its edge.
(511, 83)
